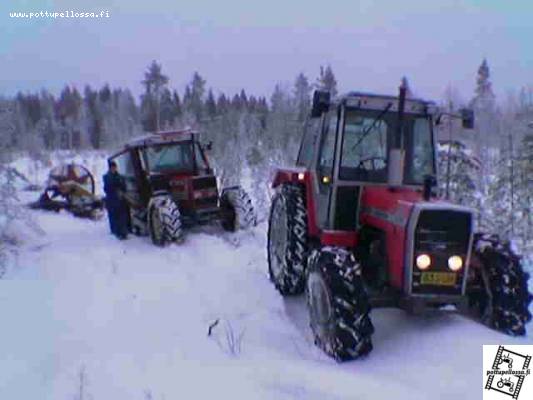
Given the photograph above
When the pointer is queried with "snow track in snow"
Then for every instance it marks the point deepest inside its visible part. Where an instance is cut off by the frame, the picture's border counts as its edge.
(137, 316)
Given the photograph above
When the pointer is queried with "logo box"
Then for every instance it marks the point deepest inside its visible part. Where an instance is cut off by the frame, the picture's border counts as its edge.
(506, 372)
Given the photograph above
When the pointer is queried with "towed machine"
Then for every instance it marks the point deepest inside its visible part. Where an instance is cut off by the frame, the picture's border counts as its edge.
(70, 187)
(171, 186)
(356, 224)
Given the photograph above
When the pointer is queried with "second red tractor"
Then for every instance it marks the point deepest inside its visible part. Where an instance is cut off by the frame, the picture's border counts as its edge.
(356, 224)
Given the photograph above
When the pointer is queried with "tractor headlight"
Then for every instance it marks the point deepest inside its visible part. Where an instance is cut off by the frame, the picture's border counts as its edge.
(455, 263)
(423, 261)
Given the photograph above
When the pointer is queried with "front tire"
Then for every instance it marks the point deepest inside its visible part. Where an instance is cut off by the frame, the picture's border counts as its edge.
(502, 298)
(338, 304)
(287, 240)
(164, 221)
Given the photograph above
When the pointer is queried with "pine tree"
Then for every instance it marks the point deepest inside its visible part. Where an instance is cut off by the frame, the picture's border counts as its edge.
(525, 191)
(302, 96)
(211, 105)
(195, 101)
(7, 128)
(484, 106)
(326, 81)
(154, 83)
(177, 104)
(167, 110)
(222, 104)
(455, 159)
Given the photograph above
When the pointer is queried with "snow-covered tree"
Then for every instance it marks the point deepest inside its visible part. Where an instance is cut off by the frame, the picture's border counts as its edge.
(302, 96)
(154, 84)
(487, 132)
(457, 171)
(194, 97)
(327, 81)
(211, 105)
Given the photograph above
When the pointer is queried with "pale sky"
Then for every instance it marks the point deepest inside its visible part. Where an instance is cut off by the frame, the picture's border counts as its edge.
(252, 44)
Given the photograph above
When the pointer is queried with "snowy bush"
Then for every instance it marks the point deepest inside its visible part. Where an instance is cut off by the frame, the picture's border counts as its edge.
(11, 213)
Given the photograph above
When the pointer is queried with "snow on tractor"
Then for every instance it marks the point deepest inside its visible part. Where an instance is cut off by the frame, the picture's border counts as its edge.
(356, 224)
(170, 186)
(70, 187)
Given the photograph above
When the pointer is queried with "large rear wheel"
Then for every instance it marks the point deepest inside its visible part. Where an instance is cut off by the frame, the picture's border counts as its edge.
(164, 221)
(238, 210)
(338, 304)
(287, 240)
(499, 292)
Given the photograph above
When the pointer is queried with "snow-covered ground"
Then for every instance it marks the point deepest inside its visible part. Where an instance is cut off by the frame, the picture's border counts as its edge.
(128, 320)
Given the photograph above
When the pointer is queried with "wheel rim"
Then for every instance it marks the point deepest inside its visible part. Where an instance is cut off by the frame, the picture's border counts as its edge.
(157, 231)
(277, 244)
(320, 307)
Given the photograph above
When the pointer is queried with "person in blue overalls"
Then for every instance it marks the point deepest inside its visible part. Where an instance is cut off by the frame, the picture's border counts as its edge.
(117, 207)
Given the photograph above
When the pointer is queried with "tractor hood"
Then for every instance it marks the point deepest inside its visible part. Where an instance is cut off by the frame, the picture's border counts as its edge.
(412, 223)
(395, 205)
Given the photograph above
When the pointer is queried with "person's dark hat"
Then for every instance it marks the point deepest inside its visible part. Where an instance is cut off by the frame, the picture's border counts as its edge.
(112, 164)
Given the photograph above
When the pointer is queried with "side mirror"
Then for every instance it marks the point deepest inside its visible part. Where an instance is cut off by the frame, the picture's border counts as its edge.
(321, 101)
(467, 117)
(208, 146)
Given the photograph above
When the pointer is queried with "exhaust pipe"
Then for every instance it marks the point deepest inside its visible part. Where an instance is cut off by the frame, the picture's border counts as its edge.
(397, 153)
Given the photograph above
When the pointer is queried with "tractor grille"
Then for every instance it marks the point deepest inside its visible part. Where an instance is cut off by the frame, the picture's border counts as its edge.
(205, 192)
(441, 234)
(204, 182)
(207, 202)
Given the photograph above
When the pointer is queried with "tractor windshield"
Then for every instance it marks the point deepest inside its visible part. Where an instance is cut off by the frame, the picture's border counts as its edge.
(170, 158)
(368, 136)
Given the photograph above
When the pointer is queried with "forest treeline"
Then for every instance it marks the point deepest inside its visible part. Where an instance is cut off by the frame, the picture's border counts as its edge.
(490, 169)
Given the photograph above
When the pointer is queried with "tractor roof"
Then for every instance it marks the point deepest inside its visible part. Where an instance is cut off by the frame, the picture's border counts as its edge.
(163, 137)
(370, 101)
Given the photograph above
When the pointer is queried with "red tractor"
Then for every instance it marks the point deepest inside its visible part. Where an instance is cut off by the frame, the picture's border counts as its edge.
(356, 224)
(171, 186)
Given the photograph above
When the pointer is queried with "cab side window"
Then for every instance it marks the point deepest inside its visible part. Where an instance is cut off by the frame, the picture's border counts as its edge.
(126, 169)
(200, 162)
(125, 165)
(327, 148)
(305, 155)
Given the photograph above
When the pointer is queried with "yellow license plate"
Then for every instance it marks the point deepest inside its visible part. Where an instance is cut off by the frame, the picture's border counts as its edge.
(438, 278)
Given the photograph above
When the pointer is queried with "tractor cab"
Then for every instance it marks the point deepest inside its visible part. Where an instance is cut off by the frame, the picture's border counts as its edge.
(372, 135)
(171, 162)
(365, 139)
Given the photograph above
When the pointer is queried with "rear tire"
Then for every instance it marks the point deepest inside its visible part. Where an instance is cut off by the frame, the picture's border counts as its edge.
(238, 210)
(164, 221)
(287, 245)
(338, 304)
(503, 299)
